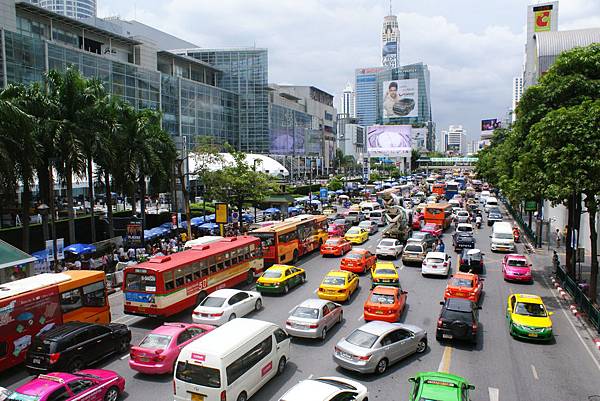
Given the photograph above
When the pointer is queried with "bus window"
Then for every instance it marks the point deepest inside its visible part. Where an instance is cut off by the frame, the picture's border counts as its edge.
(3, 348)
(179, 277)
(169, 282)
(71, 300)
(140, 282)
(93, 294)
(267, 239)
(188, 274)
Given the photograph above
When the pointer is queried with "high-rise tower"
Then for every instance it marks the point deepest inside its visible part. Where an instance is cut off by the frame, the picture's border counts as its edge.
(71, 8)
(390, 41)
(348, 101)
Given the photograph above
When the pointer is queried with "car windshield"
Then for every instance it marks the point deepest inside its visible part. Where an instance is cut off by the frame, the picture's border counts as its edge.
(457, 315)
(267, 239)
(155, 341)
(354, 256)
(365, 224)
(504, 236)
(386, 243)
(465, 228)
(340, 222)
(354, 230)
(517, 262)
(375, 214)
(362, 339)
(306, 313)
(530, 309)
(15, 396)
(418, 236)
(413, 248)
(332, 280)
(386, 299)
(200, 375)
(332, 242)
(213, 302)
(385, 271)
(272, 274)
(461, 282)
(435, 260)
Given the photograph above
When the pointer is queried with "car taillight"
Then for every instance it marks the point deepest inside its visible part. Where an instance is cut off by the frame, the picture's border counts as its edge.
(196, 313)
(364, 358)
(159, 358)
(440, 322)
(313, 326)
(216, 314)
(288, 323)
(54, 357)
(445, 264)
(223, 395)
(336, 349)
(474, 326)
(174, 388)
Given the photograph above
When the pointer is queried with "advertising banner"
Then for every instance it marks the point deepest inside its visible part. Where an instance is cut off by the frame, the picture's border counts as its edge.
(134, 232)
(542, 16)
(49, 250)
(490, 124)
(60, 248)
(389, 140)
(390, 49)
(401, 98)
(221, 213)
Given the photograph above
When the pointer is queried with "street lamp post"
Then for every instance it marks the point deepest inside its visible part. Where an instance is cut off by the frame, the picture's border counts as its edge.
(53, 214)
(43, 210)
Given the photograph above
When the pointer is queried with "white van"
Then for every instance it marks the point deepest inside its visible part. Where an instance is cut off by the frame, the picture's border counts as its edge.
(368, 207)
(490, 202)
(207, 239)
(483, 196)
(231, 362)
(502, 237)
(377, 217)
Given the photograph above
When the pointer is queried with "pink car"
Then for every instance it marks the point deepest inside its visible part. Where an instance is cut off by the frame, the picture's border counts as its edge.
(89, 385)
(432, 228)
(516, 268)
(336, 230)
(158, 351)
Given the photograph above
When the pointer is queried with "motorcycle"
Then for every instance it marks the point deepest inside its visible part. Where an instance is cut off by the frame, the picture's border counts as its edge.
(517, 235)
(478, 223)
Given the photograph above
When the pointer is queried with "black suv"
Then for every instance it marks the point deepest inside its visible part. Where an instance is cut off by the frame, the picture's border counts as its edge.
(75, 345)
(493, 216)
(459, 320)
(463, 240)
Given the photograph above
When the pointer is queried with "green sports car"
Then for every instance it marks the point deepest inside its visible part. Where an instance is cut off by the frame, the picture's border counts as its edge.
(437, 386)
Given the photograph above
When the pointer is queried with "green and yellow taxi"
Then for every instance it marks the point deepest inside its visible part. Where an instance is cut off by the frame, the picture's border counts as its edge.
(384, 273)
(356, 235)
(439, 386)
(338, 285)
(278, 279)
(528, 318)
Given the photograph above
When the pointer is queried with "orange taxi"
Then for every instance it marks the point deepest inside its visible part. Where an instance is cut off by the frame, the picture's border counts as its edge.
(336, 246)
(358, 260)
(385, 303)
(464, 285)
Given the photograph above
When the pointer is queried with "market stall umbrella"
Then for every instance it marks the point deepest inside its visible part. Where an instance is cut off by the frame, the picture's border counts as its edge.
(209, 226)
(168, 226)
(344, 197)
(272, 210)
(80, 249)
(339, 191)
(196, 221)
(293, 209)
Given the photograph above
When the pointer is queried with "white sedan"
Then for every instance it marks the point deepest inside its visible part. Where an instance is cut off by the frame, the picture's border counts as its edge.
(436, 263)
(224, 305)
(389, 247)
(326, 389)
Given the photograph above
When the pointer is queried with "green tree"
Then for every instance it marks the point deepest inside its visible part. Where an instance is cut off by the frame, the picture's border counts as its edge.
(335, 184)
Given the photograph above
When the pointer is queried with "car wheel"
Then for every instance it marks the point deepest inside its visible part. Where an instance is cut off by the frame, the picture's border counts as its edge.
(302, 279)
(243, 396)
(123, 346)
(111, 394)
(232, 316)
(249, 277)
(421, 346)
(281, 365)
(381, 366)
(340, 318)
(295, 257)
(324, 334)
(258, 305)
(286, 289)
(75, 365)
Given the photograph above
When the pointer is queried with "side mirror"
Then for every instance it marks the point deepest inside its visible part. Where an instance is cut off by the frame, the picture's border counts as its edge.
(441, 302)
(412, 380)
(406, 292)
(471, 387)
(490, 236)
(479, 307)
(550, 313)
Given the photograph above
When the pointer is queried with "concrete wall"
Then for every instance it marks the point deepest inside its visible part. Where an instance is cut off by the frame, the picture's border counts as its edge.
(558, 217)
(8, 15)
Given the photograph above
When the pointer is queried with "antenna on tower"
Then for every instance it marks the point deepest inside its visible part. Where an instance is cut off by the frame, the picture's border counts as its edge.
(391, 7)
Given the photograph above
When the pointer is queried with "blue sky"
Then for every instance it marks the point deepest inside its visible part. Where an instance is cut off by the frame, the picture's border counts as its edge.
(473, 47)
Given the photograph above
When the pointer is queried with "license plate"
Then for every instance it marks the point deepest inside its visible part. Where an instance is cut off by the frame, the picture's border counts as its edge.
(144, 359)
(197, 397)
(449, 336)
(532, 334)
(344, 355)
(37, 361)
(379, 312)
(298, 326)
(460, 294)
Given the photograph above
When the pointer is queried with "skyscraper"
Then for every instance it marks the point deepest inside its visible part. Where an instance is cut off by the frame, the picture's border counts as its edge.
(71, 8)
(390, 41)
(347, 106)
(517, 92)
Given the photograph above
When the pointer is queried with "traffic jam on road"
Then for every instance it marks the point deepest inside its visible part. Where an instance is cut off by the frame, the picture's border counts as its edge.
(388, 297)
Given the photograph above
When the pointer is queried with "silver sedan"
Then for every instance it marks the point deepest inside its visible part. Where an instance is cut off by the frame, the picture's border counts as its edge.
(313, 318)
(375, 345)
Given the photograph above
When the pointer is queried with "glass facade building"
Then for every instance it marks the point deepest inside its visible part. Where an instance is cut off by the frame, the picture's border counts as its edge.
(245, 72)
(366, 95)
(290, 131)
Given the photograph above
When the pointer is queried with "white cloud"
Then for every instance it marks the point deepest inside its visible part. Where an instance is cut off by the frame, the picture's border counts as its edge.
(322, 42)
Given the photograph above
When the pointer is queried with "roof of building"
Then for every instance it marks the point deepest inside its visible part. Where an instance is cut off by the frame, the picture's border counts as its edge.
(163, 40)
(24, 5)
(188, 59)
(552, 43)
(264, 164)
(11, 256)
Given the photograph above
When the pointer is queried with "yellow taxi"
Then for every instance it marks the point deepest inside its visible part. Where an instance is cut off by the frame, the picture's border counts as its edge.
(279, 279)
(354, 207)
(356, 235)
(384, 273)
(338, 285)
(528, 318)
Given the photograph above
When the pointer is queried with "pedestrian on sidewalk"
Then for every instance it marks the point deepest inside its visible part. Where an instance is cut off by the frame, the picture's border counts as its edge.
(557, 237)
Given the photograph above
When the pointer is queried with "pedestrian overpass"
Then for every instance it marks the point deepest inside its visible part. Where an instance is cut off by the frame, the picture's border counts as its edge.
(434, 163)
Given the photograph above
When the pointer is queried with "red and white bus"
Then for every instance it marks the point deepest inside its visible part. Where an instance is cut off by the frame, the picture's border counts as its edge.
(166, 285)
(36, 304)
(286, 241)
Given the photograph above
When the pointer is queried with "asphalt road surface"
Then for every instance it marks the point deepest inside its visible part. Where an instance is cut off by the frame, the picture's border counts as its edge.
(500, 367)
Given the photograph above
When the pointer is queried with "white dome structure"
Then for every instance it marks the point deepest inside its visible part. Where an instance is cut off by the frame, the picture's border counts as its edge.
(263, 163)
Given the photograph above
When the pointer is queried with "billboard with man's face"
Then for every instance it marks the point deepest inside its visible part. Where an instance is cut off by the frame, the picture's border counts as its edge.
(490, 124)
(401, 98)
(389, 140)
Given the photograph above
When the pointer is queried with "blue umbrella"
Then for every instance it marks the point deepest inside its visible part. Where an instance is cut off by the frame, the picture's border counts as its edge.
(293, 209)
(196, 221)
(149, 234)
(80, 249)
(272, 210)
(247, 218)
(211, 217)
(40, 255)
(209, 226)
(168, 226)
(339, 191)
(183, 224)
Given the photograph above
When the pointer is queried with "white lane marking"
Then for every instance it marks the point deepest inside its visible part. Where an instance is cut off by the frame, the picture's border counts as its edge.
(315, 291)
(494, 394)
(446, 359)
(535, 374)
(401, 267)
(310, 377)
(361, 317)
(124, 357)
(131, 319)
(573, 325)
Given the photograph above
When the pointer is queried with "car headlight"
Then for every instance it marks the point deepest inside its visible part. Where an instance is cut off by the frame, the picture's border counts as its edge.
(520, 326)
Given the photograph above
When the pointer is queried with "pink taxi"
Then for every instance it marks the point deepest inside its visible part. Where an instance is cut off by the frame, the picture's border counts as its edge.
(158, 351)
(516, 268)
(336, 230)
(432, 228)
(89, 384)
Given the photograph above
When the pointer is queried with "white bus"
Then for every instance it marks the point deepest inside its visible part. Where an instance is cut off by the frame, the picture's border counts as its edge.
(231, 362)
